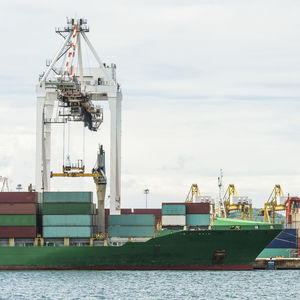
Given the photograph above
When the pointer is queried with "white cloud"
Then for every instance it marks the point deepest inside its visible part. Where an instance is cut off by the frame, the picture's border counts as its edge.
(207, 85)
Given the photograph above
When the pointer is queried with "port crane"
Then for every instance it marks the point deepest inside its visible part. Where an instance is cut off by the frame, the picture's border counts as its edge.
(276, 202)
(4, 181)
(76, 90)
(233, 202)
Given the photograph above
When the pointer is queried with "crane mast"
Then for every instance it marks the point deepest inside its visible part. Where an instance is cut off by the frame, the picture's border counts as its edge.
(76, 91)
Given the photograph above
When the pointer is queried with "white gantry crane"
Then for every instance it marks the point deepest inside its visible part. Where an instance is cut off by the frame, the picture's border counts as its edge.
(75, 89)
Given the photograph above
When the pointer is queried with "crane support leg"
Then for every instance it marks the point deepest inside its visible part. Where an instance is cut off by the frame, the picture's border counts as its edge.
(100, 189)
(115, 153)
(45, 104)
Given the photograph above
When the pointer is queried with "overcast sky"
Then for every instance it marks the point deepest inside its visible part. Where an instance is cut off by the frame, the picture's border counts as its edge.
(206, 85)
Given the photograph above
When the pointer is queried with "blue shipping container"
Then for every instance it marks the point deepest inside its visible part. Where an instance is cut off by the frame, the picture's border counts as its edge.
(67, 220)
(131, 231)
(84, 197)
(143, 220)
(197, 219)
(72, 232)
(173, 209)
(286, 239)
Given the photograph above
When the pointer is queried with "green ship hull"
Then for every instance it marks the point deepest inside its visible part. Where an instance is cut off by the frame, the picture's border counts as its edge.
(181, 250)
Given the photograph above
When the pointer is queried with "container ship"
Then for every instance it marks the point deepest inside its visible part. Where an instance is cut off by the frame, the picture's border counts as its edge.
(46, 229)
(56, 231)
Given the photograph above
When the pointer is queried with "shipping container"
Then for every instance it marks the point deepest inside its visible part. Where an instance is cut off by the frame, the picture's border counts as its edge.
(197, 208)
(286, 239)
(131, 231)
(17, 232)
(148, 211)
(274, 252)
(172, 209)
(294, 225)
(298, 243)
(17, 220)
(126, 211)
(144, 220)
(18, 208)
(173, 220)
(68, 208)
(18, 197)
(296, 217)
(67, 220)
(197, 219)
(71, 232)
(52, 197)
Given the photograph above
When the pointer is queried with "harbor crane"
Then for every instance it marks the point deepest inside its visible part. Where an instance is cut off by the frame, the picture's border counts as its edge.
(276, 202)
(233, 202)
(4, 181)
(75, 91)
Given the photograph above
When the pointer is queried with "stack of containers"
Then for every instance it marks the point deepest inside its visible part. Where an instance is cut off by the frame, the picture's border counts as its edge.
(197, 215)
(126, 226)
(285, 245)
(68, 214)
(18, 214)
(173, 215)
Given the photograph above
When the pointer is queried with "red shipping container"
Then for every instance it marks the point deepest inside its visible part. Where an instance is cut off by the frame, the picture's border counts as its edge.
(18, 197)
(17, 209)
(197, 208)
(298, 243)
(126, 211)
(17, 232)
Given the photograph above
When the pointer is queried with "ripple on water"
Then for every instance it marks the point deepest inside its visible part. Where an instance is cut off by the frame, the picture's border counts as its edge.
(150, 285)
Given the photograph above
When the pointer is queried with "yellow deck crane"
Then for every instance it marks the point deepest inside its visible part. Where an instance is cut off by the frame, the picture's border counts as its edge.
(276, 202)
(233, 202)
(98, 173)
(194, 196)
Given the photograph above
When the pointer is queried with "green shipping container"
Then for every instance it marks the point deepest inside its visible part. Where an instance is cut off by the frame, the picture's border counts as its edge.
(197, 219)
(273, 252)
(71, 232)
(67, 220)
(68, 208)
(131, 231)
(132, 220)
(173, 209)
(18, 220)
(52, 197)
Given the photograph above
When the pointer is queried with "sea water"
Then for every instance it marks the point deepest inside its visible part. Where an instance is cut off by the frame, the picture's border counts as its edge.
(150, 284)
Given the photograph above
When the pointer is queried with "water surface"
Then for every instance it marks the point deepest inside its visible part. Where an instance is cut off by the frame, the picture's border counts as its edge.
(150, 284)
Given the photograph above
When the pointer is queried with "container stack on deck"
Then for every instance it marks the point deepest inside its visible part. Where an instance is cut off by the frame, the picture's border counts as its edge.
(197, 215)
(173, 215)
(126, 226)
(68, 214)
(18, 214)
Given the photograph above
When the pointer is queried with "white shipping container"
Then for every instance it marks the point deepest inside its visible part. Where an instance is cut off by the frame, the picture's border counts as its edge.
(295, 225)
(295, 217)
(173, 220)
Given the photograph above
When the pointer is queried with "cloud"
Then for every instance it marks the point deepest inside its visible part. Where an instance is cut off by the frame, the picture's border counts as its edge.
(207, 85)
